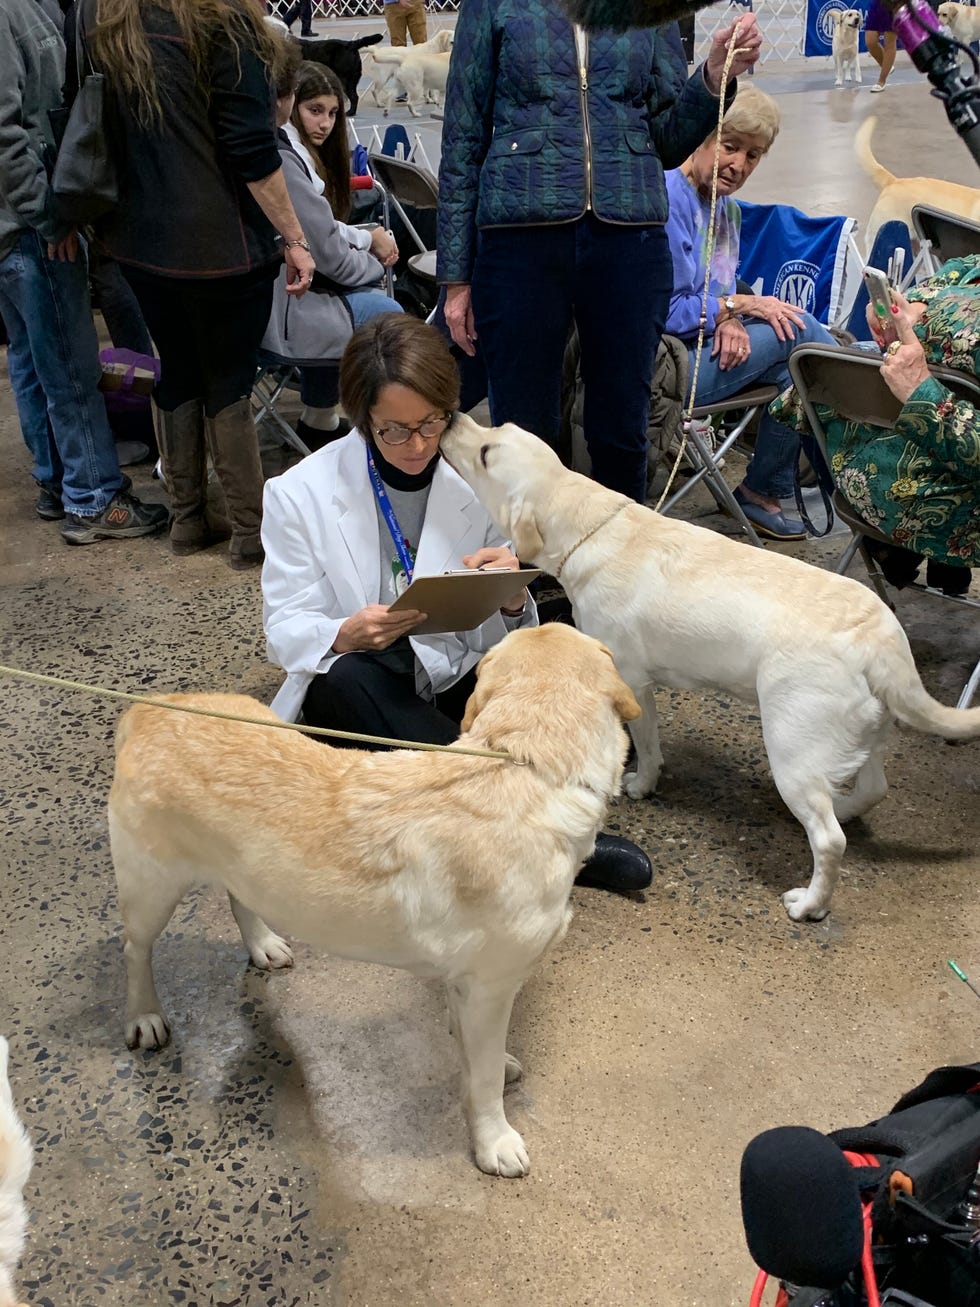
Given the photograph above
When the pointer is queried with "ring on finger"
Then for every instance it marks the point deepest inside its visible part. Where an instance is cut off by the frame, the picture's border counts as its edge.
(894, 347)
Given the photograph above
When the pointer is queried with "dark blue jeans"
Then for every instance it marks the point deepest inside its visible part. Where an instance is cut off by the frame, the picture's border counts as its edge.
(529, 285)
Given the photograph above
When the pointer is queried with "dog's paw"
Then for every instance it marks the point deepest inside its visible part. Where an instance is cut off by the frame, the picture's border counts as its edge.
(151, 1030)
(637, 786)
(512, 1069)
(271, 953)
(798, 905)
(506, 1156)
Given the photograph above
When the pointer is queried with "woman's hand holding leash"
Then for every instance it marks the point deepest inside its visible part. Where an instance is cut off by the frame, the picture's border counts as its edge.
(746, 53)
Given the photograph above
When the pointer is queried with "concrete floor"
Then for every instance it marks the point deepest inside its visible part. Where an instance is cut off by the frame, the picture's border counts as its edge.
(301, 1141)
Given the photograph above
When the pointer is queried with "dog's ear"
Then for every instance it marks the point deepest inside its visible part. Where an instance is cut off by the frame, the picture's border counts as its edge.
(623, 698)
(834, 17)
(481, 691)
(525, 535)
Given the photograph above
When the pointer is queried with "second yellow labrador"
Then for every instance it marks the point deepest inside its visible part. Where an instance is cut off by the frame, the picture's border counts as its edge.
(679, 605)
(447, 865)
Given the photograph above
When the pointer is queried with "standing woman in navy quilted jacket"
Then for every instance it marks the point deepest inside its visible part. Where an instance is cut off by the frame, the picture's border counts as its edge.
(552, 207)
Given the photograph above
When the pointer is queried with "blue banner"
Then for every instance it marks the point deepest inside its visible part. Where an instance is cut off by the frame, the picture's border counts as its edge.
(797, 258)
(819, 32)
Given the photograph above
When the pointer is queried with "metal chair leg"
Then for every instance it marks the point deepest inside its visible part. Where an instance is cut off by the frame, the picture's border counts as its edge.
(970, 689)
(847, 557)
(719, 488)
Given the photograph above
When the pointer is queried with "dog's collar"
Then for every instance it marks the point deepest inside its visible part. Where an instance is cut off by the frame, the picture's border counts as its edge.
(589, 534)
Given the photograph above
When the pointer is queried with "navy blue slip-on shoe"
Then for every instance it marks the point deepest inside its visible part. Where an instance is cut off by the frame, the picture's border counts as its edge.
(774, 525)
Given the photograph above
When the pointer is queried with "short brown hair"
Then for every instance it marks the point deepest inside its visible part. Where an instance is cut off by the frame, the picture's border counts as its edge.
(401, 350)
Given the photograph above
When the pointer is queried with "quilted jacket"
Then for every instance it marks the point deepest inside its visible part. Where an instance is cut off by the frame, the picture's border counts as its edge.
(528, 139)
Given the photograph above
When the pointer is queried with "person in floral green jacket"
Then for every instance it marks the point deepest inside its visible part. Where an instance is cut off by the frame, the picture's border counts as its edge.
(918, 483)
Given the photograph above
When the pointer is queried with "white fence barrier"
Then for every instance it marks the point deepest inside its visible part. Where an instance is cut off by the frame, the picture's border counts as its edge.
(782, 21)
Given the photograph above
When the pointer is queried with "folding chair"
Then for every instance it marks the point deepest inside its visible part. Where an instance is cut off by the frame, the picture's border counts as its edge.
(276, 375)
(707, 462)
(849, 381)
(947, 235)
(406, 183)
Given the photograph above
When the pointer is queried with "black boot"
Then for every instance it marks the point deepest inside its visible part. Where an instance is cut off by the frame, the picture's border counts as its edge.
(616, 864)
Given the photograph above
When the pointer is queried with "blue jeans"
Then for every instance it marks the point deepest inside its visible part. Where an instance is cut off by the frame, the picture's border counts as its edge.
(772, 470)
(53, 359)
(529, 285)
(367, 304)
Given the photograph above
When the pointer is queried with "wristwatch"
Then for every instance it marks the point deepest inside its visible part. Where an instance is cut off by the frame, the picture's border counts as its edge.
(729, 304)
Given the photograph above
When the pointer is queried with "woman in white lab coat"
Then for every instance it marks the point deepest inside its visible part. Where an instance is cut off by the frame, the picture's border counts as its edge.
(343, 532)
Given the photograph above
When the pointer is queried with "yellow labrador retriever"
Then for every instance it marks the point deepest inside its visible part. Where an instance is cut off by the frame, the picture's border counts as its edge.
(682, 606)
(457, 867)
(15, 1166)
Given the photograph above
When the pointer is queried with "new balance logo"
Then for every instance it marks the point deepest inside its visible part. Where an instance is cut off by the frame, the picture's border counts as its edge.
(117, 516)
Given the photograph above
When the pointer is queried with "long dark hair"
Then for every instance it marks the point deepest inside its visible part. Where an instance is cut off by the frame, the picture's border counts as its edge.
(332, 158)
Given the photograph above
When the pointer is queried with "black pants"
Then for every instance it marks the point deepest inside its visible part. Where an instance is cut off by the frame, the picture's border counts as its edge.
(361, 693)
(615, 282)
(302, 9)
(207, 332)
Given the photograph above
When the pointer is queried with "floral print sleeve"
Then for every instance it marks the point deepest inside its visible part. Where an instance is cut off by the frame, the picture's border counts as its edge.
(949, 428)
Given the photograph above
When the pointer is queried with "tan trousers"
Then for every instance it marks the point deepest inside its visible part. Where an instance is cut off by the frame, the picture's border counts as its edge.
(406, 16)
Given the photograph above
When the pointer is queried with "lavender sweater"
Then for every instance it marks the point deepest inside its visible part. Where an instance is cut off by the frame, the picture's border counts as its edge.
(687, 229)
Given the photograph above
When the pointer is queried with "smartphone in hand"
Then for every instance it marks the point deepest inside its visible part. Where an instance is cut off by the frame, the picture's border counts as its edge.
(880, 295)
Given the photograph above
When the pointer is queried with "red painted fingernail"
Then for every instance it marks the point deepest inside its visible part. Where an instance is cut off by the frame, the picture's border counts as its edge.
(894, 308)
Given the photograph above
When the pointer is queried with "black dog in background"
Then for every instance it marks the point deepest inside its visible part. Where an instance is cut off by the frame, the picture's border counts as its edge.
(343, 58)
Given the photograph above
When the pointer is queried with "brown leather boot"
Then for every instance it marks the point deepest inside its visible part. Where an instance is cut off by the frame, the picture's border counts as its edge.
(234, 448)
(180, 435)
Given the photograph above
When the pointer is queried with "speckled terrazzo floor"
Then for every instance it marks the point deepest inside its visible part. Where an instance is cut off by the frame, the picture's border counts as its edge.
(301, 1141)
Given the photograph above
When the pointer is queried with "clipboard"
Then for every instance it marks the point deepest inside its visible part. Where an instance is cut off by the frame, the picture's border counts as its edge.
(460, 601)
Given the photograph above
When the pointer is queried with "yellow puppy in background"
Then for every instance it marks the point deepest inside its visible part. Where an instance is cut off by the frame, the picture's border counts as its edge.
(16, 1156)
(450, 866)
(898, 195)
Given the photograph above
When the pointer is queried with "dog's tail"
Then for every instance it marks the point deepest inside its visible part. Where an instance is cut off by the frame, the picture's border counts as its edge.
(16, 1156)
(391, 54)
(862, 148)
(895, 680)
(362, 41)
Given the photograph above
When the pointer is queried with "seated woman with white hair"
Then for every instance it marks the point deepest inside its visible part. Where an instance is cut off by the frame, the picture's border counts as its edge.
(747, 338)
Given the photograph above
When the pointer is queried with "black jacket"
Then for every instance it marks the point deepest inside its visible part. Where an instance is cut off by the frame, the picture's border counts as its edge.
(185, 209)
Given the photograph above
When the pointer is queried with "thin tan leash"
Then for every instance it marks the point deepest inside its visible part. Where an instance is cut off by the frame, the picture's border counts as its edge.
(61, 683)
(709, 249)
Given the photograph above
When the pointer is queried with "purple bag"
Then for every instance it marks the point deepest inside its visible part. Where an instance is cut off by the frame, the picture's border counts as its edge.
(127, 383)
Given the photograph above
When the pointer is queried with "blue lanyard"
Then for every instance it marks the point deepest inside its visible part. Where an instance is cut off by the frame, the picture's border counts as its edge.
(388, 513)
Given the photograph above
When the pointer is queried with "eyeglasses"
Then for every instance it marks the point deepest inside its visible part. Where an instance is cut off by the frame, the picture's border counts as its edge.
(430, 429)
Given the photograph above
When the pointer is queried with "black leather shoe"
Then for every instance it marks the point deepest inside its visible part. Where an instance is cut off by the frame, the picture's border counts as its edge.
(948, 577)
(616, 864)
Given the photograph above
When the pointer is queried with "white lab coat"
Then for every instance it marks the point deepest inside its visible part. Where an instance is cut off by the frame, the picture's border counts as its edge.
(323, 563)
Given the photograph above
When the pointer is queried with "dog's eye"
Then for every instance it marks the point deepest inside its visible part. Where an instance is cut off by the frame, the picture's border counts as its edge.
(484, 450)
